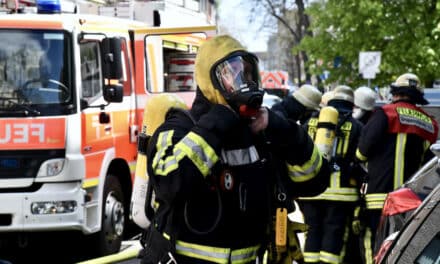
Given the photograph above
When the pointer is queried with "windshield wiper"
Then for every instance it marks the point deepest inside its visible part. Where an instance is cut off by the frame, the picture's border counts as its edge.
(24, 109)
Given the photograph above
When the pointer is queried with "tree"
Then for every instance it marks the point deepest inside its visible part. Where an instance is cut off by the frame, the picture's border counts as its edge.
(406, 32)
(289, 14)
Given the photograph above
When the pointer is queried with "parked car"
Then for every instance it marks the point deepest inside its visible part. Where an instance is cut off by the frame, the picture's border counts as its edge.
(409, 231)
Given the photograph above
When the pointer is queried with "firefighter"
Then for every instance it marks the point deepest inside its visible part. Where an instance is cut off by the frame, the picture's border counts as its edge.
(301, 105)
(329, 214)
(364, 103)
(394, 143)
(221, 171)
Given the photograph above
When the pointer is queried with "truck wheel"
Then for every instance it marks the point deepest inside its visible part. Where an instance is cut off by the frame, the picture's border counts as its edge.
(109, 239)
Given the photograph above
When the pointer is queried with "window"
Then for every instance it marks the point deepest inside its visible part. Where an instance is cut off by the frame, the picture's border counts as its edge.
(90, 71)
(431, 253)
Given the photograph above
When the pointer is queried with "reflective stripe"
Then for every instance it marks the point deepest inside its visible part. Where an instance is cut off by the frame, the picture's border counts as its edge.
(360, 156)
(336, 193)
(244, 255)
(311, 257)
(375, 200)
(328, 257)
(216, 254)
(368, 250)
(198, 151)
(412, 117)
(399, 160)
(164, 140)
(238, 157)
(192, 145)
(308, 170)
(345, 129)
(313, 123)
(426, 145)
(341, 194)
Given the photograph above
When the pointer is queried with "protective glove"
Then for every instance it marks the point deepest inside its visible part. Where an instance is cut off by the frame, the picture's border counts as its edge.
(357, 225)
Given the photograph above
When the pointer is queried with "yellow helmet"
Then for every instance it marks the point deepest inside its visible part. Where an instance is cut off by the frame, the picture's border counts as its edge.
(309, 96)
(227, 73)
(156, 109)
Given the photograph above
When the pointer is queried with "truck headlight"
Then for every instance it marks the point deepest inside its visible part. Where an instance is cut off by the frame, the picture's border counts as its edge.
(53, 207)
(51, 168)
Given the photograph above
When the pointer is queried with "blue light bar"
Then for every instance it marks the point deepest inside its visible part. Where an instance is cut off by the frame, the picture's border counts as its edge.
(49, 6)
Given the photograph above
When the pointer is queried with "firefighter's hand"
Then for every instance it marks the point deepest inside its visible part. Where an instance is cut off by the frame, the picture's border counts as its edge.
(261, 120)
(356, 224)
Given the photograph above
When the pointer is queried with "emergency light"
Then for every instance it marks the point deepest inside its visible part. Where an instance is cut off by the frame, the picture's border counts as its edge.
(48, 6)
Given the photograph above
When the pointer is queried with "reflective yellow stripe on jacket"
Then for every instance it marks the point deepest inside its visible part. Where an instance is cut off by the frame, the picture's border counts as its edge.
(399, 160)
(335, 192)
(216, 254)
(308, 170)
(375, 200)
(192, 146)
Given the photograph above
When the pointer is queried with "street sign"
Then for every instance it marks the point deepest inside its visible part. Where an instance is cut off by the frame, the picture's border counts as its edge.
(369, 62)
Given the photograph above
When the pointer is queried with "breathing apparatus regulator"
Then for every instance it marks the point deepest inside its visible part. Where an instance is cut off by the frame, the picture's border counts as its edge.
(238, 79)
(326, 131)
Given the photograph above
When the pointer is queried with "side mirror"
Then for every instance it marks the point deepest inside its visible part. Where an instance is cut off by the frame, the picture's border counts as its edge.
(111, 58)
(113, 93)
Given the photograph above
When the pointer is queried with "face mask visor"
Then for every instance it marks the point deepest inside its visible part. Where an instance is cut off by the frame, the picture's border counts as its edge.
(237, 73)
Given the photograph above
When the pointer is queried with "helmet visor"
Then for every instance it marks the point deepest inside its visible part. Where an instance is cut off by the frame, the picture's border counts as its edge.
(237, 73)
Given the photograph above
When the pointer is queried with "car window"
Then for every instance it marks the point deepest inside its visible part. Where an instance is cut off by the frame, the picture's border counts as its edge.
(430, 255)
(426, 179)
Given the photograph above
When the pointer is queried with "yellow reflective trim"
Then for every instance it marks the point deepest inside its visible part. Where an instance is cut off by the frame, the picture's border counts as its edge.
(335, 180)
(213, 254)
(217, 254)
(375, 200)
(334, 197)
(360, 156)
(199, 152)
(312, 127)
(164, 140)
(414, 113)
(368, 251)
(399, 160)
(169, 164)
(328, 257)
(376, 196)
(88, 183)
(308, 170)
(311, 257)
(244, 255)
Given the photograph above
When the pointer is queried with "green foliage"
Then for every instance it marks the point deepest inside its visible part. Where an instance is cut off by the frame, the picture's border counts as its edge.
(407, 33)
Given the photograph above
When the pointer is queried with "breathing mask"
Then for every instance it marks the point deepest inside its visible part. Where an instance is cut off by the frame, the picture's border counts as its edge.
(238, 79)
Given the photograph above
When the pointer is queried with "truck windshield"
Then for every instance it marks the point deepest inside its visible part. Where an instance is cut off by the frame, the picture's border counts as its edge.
(34, 72)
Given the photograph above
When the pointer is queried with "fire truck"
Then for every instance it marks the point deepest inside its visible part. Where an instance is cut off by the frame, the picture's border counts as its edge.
(72, 94)
(275, 82)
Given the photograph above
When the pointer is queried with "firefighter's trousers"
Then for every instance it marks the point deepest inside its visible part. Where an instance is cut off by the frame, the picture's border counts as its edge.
(327, 235)
(368, 235)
